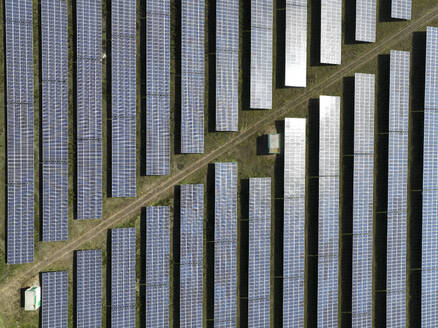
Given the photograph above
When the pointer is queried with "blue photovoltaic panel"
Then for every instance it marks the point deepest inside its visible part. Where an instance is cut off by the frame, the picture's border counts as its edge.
(123, 252)
(157, 266)
(54, 79)
(225, 247)
(89, 108)
(397, 189)
(331, 31)
(227, 65)
(429, 240)
(296, 43)
(123, 88)
(366, 20)
(363, 186)
(89, 288)
(54, 299)
(158, 87)
(431, 83)
(261, 54)
(192, 75)
(20, 136)
(294, 221)
(401, 9)
(328, 211)
(259, 266)
(191, 248)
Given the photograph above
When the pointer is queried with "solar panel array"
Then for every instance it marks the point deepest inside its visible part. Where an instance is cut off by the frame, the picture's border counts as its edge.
(227, 65)
(192, 76)
(157, 266)
(363, 184)
(261, 54)
(328, 211)
(89, 108)
(54, 299)
(20, 169)
(225, 247)
(123, 302)
(259, 268)
(294, 221)
(366, 20)
(397, 189)
(191, 262)
(89, 288)
(296, 43)
(429, 247)
(123, 91)
(401, 9)
(157, 87)
(331, 32)
(54, 78)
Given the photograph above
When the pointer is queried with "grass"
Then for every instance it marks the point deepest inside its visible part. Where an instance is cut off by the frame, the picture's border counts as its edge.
(250, 164)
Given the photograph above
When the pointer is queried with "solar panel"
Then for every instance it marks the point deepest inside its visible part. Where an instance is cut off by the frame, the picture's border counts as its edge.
(54, 299)
(54, 62)
(157, 266)
(157, 87)
(225, 247)
(261, 54)
(123, 301)
(296, 43)
(192, 76)
(401, 9)
(191, 262)
(20, 135)
(89, 288)
(328, 211)
(397, 189)
(366, 20)
(259, 267)
(331, 31)
(123, 91)
(89, 108)
(227, 65)
(363, 184)
(429, 240)
(294, 221)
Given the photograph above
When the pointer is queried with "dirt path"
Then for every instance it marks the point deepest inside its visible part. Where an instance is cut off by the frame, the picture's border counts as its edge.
(160, 190)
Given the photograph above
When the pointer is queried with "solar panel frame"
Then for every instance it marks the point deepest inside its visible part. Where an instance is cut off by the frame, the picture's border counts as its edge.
(54, 69)
(123, 278)
(192, 254)
(192, 76)
(89, 108)
(261, 54)
(429, 240)
(89, 288)
(20, 131)
(328, 211)
(54, 299)
(123, 92)
(365, 20)
(294, 221)
(331, 32)
(158, 87)
(296, 43)
(157, 266)
(225, 247)
(401, 9)
(396, 271)
(363, 198)
(259, 266)
(227, 65)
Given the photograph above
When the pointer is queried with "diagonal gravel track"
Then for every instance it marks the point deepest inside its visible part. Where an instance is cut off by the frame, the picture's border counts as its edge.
(162, 189)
